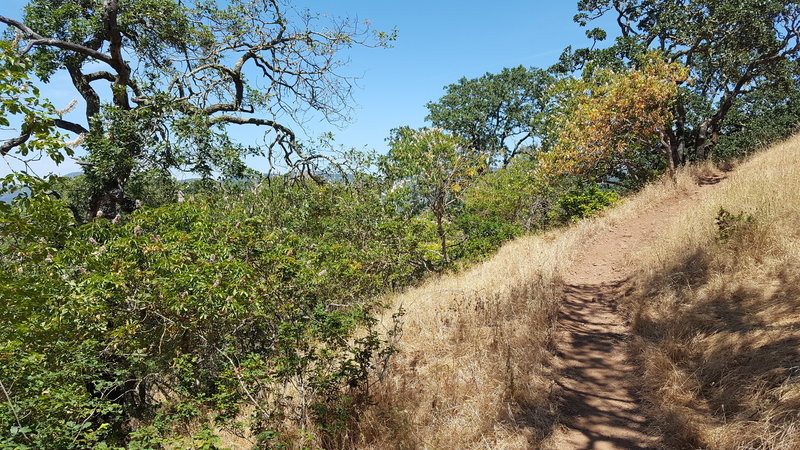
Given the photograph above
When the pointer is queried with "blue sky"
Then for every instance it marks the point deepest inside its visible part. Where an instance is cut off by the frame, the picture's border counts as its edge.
(439, 41)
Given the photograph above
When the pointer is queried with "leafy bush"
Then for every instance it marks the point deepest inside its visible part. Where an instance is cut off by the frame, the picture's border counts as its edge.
(193, 308)
(584, 201)
(511, 194)
(483, 235)
(729, 224)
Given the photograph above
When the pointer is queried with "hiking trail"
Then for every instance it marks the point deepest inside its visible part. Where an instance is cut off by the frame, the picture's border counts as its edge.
(601, 408)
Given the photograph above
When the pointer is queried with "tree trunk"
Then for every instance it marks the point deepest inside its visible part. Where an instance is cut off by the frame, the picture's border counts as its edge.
(671, 166)
(702, 140)
(679, 144)
(669, 145)
(442, 235)
(709, 131)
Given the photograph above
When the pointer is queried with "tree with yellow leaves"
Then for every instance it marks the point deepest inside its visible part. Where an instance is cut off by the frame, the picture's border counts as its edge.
(610, 119)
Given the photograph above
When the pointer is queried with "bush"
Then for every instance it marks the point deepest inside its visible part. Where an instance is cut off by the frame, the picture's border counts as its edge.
(583, 201)
(511, 195)
(729, 224)
(483, 235)
(188, 312)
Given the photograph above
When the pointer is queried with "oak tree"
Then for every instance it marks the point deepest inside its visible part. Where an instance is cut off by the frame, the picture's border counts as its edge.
(605, 121)
(501, 114)
(733, 49)
(162, 80)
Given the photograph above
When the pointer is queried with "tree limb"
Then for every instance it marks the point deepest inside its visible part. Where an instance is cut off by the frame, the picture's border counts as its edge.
(70, 126)
(38, 40)
(9, 144)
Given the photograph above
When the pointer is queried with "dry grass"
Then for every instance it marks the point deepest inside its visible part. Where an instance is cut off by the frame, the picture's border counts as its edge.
(475, 368)
(718, 326)
(717, 313)
(472, 371)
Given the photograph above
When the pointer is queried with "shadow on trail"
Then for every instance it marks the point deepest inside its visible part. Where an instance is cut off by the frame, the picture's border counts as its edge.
(599, 401)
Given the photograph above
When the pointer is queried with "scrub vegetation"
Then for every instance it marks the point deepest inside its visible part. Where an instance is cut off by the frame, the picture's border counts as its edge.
(349, 299)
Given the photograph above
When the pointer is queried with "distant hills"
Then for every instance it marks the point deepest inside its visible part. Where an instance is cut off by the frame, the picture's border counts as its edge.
(6, 198)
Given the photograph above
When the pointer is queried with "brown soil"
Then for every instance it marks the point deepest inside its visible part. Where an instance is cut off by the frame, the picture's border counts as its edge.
(601, 408)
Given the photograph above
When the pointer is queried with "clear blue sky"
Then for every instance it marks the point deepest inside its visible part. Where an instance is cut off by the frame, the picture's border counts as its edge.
(439, 42)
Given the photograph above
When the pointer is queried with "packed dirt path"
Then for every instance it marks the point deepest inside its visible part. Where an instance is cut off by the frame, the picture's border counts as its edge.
(601, 408)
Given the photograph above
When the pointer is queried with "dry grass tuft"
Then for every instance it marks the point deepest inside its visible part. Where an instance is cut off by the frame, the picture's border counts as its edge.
(717, 312)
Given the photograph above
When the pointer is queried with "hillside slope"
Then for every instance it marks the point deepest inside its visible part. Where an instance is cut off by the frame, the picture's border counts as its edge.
(716, 310)
(484, 363)
(476, 364)
(602, 406)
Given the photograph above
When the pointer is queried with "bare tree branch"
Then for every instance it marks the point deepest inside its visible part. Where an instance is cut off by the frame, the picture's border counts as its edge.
(70, 126)
(37, 40)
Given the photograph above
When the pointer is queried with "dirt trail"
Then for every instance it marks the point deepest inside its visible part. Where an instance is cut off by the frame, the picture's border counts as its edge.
(601, 409)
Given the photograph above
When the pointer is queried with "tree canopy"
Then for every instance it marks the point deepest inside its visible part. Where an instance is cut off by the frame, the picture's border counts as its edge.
(162, 79)
(606, 121)
(733, 49)
(437, 167)
(501, 114)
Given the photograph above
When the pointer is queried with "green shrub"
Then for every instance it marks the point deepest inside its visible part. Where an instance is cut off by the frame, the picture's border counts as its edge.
(583, 201)
(512, 195)
(483, 235)
(192, 310)
(729, 224)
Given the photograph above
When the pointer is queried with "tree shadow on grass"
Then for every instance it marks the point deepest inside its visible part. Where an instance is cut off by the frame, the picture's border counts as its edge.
(740, 339)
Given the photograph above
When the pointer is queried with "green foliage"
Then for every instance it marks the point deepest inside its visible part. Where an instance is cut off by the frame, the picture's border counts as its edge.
(153, 187)
(433, 168)
(584, 201)
(20, 103)
(482, 235)
(515, 195)
(501, 193)
(167, 28)
(207, 305)
(729, 224)
(759, 119)
(500, 114)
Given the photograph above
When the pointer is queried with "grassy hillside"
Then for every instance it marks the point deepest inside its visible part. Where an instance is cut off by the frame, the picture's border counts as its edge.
(714, 307)
(475, 367)
(473, 363)
(716, 311)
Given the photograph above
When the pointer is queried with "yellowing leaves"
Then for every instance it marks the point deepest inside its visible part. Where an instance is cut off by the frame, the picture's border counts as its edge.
(613, 114)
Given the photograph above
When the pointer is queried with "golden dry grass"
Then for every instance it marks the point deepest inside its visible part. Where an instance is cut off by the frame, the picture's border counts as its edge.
(717, 323)
(717, 313)
(472, 371)
(475, 368)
